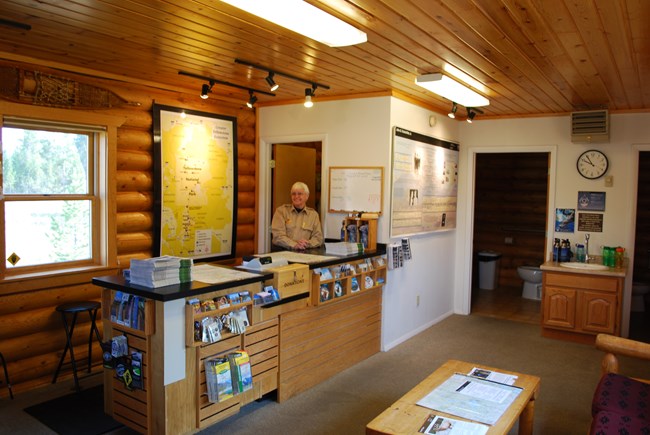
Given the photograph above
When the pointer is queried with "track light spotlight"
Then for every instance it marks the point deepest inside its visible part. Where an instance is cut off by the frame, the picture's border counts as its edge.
(470, 115)
(452, 113)
(251, 101)
(309, 93)
(206, 89)
(272, 84)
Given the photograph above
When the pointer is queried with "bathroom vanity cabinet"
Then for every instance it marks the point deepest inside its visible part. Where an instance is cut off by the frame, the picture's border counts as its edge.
(578, 306)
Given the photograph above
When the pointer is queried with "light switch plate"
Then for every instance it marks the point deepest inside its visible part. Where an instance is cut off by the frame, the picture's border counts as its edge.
(609, 181)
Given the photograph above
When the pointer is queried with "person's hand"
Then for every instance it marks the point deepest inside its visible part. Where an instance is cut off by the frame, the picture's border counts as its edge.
(301, 245)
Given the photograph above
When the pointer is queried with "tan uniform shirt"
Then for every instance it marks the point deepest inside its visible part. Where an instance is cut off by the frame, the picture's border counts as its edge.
(289, 226)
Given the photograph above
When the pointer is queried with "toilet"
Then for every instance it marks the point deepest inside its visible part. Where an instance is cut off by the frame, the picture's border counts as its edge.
(639, 291)
(532, 277)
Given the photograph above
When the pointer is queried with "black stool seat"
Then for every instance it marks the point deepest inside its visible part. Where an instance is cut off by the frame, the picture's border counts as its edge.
(77, 307)
(74, 308)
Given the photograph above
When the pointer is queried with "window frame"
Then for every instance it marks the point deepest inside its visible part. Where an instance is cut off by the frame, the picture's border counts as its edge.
(102, 175)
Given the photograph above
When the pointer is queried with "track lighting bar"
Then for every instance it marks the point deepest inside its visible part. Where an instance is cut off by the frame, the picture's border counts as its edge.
(221, 82)
(279, 73)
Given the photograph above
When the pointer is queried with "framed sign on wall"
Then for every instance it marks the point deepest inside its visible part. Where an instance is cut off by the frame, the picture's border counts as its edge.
(424, 184)
(195, 183)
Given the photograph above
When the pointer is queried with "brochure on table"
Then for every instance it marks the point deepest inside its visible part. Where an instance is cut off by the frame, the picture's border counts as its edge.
(437, 424)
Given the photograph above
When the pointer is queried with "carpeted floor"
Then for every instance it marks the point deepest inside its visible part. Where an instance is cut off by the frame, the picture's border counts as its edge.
(347, 402)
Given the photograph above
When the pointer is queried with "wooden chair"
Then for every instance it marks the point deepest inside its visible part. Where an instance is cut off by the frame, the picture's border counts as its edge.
(620, 404)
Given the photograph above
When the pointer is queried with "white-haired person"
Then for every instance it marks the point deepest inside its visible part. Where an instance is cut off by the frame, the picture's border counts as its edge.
(296, 226)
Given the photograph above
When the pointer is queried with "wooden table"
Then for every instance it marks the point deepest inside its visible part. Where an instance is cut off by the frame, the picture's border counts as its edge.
(405, 417)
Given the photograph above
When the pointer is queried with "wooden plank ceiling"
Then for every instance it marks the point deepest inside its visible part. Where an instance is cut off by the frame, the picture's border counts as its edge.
(533, 57)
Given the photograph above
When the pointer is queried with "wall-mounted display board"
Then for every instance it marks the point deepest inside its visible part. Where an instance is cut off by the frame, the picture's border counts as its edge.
(356, 188)
(195, 188)
(424, 184)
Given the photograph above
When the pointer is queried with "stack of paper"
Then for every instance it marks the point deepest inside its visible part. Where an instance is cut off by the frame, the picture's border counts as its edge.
(344, 248)
(160, 271)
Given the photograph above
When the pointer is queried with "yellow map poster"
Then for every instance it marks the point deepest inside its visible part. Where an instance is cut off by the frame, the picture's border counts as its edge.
(197, 157)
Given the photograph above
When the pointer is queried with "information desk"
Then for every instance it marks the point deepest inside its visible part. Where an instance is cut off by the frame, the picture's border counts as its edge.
(173, 398)
(405, 416)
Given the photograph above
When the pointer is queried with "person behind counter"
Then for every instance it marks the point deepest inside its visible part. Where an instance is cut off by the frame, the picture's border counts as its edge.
(296, 226)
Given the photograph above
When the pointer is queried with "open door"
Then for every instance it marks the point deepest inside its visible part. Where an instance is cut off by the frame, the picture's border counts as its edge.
(292, 163)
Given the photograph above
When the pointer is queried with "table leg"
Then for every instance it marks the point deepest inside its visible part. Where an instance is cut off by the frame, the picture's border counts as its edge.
(526, 417)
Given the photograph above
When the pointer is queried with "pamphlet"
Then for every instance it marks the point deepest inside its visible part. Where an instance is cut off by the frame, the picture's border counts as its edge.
(502, 378)
(436, 424)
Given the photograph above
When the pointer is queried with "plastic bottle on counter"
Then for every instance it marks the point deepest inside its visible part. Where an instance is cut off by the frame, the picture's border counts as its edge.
(556, 250)
(619, 257)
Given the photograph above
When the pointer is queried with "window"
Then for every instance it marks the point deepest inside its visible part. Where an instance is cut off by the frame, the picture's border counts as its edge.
(50, 205)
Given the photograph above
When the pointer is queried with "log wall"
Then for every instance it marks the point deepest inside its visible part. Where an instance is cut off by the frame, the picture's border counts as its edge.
(31, 332)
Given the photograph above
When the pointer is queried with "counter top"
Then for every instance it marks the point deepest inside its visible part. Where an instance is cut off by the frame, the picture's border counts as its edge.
(196, 288)
(554, 266)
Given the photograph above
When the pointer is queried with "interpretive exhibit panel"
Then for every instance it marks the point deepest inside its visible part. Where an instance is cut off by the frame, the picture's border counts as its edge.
(195, 170)
(424, 184)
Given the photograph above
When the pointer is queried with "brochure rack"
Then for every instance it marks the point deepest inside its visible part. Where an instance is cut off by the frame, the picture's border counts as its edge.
(191, 316)
(358, 223)
(131, 407)
(261, 343)
(347, 279)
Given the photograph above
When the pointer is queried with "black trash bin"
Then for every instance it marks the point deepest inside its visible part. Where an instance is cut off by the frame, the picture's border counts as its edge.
(488, 269)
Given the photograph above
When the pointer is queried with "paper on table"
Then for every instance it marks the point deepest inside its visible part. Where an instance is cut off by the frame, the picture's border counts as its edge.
(472, 398)
(215, 274)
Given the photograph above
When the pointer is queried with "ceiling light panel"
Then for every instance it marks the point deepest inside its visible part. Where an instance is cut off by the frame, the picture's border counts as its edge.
(303, 18)
(452, 90)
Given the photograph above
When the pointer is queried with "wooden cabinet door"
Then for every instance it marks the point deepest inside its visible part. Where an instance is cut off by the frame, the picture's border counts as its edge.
(598, 312)
(559, 308)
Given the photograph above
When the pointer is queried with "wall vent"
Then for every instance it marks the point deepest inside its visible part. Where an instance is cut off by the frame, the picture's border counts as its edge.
(590, 126)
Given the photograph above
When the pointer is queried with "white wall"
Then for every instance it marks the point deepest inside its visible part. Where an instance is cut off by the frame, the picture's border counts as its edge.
(359, 132)
(553, 134)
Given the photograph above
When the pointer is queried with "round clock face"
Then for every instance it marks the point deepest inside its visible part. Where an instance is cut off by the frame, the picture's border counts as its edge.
(592, 164)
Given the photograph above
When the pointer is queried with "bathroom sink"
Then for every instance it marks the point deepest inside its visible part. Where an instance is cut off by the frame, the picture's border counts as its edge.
(584, 266)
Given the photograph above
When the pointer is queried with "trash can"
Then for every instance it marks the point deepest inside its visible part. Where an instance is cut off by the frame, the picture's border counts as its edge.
(488, 269)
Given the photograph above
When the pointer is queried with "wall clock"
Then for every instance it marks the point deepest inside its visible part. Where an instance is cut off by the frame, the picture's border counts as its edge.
(592, 164)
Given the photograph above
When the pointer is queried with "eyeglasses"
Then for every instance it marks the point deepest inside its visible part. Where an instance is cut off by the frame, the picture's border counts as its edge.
(298, 193)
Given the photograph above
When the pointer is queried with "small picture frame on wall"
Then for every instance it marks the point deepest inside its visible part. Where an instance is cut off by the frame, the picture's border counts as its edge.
(565, 219)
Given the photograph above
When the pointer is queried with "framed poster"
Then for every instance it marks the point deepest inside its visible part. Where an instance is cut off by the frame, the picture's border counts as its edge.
(356, 188)
(195, 188)
(424, 184)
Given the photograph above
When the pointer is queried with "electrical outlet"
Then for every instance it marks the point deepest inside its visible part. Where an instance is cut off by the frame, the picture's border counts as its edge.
(417, 301)
(509, 240)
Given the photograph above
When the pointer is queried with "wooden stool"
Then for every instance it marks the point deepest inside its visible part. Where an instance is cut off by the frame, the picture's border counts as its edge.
(75, 308)
(4, 366)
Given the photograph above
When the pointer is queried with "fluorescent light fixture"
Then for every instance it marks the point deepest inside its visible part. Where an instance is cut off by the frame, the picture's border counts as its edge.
(452, 90)
(453, 71)
(303, 18)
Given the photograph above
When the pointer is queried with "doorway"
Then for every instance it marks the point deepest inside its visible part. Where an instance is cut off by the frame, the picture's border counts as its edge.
(510, 218)
(300, 161)
(640, 310)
